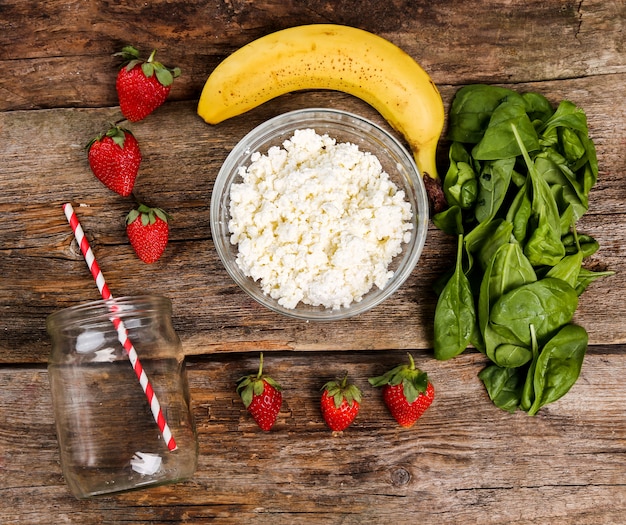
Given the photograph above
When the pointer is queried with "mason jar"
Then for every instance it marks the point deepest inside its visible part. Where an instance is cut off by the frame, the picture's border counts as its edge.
(109, 438)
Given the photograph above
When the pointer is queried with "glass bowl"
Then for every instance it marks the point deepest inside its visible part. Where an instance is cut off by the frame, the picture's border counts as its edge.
(396, 161)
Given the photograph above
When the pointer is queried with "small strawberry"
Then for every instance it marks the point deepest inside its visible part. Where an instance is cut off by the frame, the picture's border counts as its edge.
(406, 392)
(114, 158)
(148, 232)
(142, 85)
(262, 397)
(340, 403)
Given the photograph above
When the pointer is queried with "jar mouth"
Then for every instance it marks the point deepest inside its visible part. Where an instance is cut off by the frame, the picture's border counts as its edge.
(119, 306)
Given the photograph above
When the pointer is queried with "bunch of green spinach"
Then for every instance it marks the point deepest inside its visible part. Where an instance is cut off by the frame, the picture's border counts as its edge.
(519, 179)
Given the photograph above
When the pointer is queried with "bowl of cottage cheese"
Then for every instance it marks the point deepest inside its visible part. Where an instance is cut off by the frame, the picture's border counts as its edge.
(319, 214)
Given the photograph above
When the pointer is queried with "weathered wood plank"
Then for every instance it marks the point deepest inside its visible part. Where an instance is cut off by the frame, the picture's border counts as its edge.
(43, 270)
(58, 53)
(465, 461)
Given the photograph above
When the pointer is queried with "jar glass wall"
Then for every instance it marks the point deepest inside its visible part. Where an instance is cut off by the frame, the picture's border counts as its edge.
(108, 438)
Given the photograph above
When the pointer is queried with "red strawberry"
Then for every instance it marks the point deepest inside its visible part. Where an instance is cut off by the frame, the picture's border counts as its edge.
(406, 392)
(340, 403)
(114, 158)
(142, 85)
(148, 232)
(262, 396)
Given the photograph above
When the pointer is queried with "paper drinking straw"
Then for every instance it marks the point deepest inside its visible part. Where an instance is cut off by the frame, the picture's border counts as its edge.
(118, 324)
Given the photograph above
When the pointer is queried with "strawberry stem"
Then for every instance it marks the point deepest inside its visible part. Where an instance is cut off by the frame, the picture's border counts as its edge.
(344, 381)
(260, 367)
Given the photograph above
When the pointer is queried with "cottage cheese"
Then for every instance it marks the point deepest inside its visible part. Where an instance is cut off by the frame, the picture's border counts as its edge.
(317, 221)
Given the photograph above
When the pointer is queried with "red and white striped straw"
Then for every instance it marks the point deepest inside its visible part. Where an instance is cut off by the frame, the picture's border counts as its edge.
(118, 324)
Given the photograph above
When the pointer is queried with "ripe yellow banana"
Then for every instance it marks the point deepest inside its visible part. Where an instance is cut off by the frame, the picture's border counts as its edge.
(341, 58)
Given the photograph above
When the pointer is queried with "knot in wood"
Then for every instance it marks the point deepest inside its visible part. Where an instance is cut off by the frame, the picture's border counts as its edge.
(400, 476)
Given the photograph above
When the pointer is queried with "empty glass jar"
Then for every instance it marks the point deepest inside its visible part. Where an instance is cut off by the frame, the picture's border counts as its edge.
(108, 437)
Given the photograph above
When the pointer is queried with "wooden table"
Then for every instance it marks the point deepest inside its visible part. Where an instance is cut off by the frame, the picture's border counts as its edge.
(465, 461)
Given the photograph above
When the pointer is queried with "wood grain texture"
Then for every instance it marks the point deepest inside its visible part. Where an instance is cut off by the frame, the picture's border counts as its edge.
(182, 156)
(65, 47)
(465, 461)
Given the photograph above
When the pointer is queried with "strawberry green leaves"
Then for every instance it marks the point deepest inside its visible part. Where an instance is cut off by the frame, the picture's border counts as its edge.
(147, 215)
(411, 378)
(163, 74)
(132, 58)
(519, 179)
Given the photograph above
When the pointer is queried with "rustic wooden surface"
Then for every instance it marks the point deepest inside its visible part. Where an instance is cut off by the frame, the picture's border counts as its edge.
(466, 461)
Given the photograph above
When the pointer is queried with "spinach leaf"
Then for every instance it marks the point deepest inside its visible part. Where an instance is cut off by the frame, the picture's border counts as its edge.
(499, 141)
(567, 269)
(450, 220)
(547, 304)
(558, 365)
(460, 185)
(538, 107)
(455, 314)
(471, 110)
(528, 392)
(586, 277)
(509, 268)
(493, 185)
(480, 234)
(464, 190)
(502, 343)
(503, 385)
(573, 148)
(519, 213)
(566, 190)
(584, 243)
(544, 247)
(568, 115)
(567, 219)
(590, 170)
(511, 355)
(518, 178)
(500, 232)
